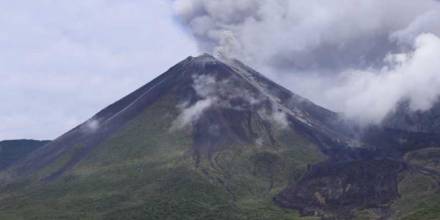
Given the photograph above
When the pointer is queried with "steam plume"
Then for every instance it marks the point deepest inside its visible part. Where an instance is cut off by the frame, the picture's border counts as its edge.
(331, 51)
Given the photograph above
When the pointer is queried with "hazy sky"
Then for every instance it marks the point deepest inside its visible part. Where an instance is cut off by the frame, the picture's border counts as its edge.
(62, 61)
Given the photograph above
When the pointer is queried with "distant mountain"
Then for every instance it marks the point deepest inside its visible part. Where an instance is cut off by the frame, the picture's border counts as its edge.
(404, 118)
(13, 150)
(212, 139)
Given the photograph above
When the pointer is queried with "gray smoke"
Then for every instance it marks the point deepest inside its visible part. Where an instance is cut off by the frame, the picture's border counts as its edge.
(356, 57)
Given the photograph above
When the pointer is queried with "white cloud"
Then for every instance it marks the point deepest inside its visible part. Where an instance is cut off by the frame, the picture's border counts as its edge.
(192, 113)
(370, 95)
(90, 126)
(207, 89)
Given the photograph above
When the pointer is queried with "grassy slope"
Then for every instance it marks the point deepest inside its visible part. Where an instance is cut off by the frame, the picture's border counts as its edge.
(147, 172)
(420, 193)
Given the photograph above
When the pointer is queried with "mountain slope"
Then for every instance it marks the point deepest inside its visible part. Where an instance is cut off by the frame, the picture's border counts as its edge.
(235, 93)
(212, 139)
(205, 140)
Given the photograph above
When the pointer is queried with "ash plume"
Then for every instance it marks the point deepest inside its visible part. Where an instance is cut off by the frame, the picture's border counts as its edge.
(342, 54)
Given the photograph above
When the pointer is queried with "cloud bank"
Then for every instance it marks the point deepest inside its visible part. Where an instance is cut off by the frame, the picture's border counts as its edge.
(412, 76)
(334, 52)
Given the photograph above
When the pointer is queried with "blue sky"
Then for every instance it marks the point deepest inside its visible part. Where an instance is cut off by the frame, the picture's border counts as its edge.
(62, 61)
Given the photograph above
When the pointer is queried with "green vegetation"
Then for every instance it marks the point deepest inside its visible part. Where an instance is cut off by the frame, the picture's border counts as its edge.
(146, 171)
(420, 195)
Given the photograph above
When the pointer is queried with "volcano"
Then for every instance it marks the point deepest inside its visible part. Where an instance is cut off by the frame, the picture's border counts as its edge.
(214, 139)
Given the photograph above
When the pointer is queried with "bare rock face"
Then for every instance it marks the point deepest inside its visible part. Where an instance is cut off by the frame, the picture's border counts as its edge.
(339, 188)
